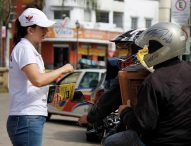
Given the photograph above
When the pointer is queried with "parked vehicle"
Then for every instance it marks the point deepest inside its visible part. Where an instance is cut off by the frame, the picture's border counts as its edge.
(98, 91)
(86, 80)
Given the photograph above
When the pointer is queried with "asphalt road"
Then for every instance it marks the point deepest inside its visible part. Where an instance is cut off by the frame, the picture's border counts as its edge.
(60, 131)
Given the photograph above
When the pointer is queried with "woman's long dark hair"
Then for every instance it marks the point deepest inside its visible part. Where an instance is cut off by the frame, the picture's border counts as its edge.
(20, 31)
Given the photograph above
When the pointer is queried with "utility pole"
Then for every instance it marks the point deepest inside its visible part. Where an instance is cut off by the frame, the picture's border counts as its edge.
(77, 41)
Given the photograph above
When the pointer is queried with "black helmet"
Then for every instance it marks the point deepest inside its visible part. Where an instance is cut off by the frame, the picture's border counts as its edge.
(129, 36)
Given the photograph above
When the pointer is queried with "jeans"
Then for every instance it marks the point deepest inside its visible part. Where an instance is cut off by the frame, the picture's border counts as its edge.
(26, 130)
(124, 138)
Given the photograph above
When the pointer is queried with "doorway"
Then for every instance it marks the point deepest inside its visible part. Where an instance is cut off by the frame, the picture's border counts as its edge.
(61, 56)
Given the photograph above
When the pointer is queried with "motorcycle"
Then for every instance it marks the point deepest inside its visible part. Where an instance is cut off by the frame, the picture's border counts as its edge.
(97, 132)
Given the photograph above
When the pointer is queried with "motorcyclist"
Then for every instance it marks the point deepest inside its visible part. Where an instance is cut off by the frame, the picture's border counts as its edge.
(111, 99)
(162, 114)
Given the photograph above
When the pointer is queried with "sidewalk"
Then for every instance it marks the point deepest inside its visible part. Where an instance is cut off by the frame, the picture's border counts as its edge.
(4, 139)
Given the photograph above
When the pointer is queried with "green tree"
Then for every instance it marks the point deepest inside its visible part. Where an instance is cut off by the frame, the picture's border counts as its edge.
(5, 8)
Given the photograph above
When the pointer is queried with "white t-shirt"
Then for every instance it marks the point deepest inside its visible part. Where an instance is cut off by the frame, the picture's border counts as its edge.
(25, 98)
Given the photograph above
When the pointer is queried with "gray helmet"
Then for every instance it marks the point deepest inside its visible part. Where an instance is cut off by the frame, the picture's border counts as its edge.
(171, 37)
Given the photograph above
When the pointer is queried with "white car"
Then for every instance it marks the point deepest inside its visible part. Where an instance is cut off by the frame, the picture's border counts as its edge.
(86, 81)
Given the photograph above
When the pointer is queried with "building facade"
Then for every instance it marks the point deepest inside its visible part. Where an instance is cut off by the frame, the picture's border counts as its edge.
(84, 27)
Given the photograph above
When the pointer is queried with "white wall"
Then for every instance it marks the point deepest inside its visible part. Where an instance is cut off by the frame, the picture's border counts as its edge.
(111, 5)
(132, 8)
(77, 14)
(164, 10)
(141, 9)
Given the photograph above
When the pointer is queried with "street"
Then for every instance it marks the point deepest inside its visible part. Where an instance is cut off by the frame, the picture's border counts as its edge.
(58, 132)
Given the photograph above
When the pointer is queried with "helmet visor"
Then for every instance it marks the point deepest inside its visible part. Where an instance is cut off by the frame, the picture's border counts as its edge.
(123, 45)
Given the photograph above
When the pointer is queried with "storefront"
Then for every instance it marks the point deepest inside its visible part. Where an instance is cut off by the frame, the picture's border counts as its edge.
(65, 43)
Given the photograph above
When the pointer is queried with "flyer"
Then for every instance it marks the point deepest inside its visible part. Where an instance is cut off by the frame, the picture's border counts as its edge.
(64, 91)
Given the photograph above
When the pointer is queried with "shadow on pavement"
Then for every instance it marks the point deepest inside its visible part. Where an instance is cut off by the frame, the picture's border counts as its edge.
(77, 135)
(71, 135)
(63, 122)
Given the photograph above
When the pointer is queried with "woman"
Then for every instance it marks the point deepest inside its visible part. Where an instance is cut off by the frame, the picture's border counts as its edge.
(27, 80)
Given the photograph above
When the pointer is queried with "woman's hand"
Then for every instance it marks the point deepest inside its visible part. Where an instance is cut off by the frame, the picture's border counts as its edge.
(67, 68)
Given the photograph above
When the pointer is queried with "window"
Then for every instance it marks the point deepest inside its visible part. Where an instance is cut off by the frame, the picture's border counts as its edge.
(72, 78)
(102, 16)
(148, 23)
(100, 58)
(61, 14)
(118, 19)
(13, 14)
(87, 15)
(134, 22)
(84, 56)
(102, 76)
(88, 79)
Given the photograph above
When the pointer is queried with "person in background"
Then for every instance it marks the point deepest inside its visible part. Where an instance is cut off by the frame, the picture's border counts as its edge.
(162, 115)
(111, 99)
(28, 80)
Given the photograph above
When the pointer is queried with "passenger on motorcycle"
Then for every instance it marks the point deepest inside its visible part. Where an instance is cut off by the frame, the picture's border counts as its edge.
(162, 114)
(110, 100)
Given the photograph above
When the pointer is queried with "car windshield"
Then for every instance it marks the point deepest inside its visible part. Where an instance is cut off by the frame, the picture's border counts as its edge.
(89, 80)
(71, 78)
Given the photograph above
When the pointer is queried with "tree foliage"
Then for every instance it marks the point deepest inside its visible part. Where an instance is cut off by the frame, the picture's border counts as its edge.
(5, 8)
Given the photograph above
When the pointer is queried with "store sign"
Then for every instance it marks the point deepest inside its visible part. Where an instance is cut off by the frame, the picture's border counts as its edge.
(180, 14)
(180, 11)
(66, 29)
(62, 32)
(187, 33)
(91, 51)
(63, 29)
